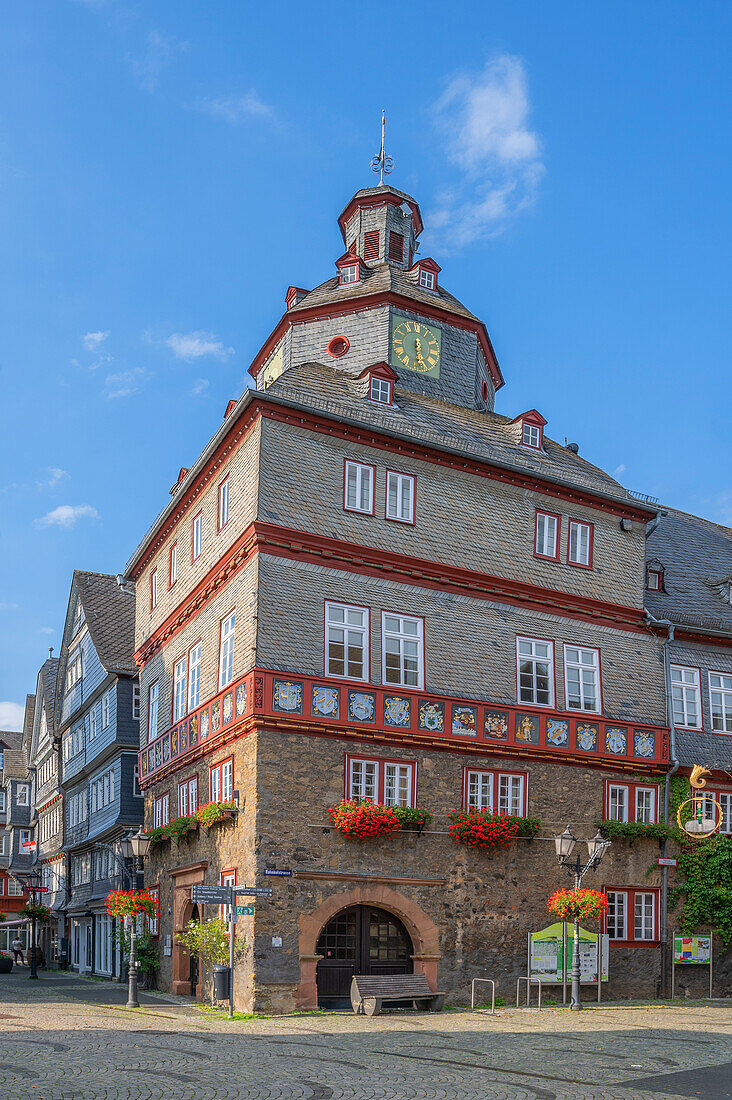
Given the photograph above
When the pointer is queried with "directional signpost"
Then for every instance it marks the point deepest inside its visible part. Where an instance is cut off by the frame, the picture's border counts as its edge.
(207, 895)
(253, 891)
(245, 910)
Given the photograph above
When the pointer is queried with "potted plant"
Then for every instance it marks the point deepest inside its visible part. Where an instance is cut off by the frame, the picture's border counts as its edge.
(211, 813)
(125, 905)
(180, 827)
(484, 829)
(146, 952)
(413, 817)
(41, 912)
(159, 835)
(360, 819)
(210, 940)
(6, 962)
(573, 905)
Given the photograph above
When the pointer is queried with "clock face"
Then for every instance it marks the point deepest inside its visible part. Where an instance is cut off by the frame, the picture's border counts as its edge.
(416, 346)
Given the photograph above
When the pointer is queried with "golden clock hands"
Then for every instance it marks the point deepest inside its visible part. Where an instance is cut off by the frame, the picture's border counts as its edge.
(418, 352)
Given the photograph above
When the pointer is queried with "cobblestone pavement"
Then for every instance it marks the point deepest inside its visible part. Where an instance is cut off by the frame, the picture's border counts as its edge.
(62, 1040)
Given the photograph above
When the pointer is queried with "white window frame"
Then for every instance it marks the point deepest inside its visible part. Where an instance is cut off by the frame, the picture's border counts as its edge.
(724, 798)
(622, 916)
(136, 702)
(153, 708)
(380, 391)
(105, 708)
(221, 781)
(224, 510)
(402, 638)
(188, 796)
(194, 676)
(2, 843)
(398, 783)
(227, 638)
(354, 474)
(529, 433)
(722, 722)
(173, 565)
(646, 896)
(196, 536)
(2, 801)
(162, 810)
(686, 696)
(481, 795)
(426, 279)
(179, 688)
(534, 659)
(580, 666)
(644, 792)
(582, 550)
(349, 274)
(154, 589)
(404, 511)
(653, 580)
(22, 794)
(618, 793)
(545, 546)
(333, 624)
(363, 779)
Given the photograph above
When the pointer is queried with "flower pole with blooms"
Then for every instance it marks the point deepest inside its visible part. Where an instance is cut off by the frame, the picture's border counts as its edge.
(578, 902)
(128, 905)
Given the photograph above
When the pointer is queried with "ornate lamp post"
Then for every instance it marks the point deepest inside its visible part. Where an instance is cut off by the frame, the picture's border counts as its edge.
(33, 883)
(136, 846)
(565, 846)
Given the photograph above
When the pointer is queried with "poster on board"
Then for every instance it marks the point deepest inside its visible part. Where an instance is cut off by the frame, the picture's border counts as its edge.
(547, 961)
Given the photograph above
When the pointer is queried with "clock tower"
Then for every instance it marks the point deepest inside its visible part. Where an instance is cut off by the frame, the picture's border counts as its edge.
(385, 304)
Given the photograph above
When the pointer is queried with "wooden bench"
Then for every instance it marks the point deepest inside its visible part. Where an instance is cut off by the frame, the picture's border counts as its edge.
(370, 992)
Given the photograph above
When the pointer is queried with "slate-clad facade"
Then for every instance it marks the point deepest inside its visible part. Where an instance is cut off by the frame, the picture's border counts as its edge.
(15, 816)
(97, 723)
(372, 584)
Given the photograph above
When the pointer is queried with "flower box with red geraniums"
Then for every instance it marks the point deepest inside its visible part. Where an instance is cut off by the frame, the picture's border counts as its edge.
(122, 904)
(41, 912)
(483, 829)
(211, 813)
(359, 819)
(580, 904)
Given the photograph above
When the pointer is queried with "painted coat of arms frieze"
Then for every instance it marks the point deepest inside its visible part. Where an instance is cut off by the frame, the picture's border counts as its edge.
(464, 721)
(527, 729)
(616, 740)
(496, 724)
(431, 716)
(557, 732)
(397, 711)
(587, 737)
(287, 696)
(326, 701)
(361, 706)
(644, 743)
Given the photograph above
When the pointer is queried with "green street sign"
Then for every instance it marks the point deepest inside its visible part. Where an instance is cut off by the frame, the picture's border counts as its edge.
(245, 910)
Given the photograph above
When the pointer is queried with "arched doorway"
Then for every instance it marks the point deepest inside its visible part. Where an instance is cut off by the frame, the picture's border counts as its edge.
(361, 939)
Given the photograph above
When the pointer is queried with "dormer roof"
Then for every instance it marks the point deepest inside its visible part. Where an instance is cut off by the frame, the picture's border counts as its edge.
(379, 196)
(531, 417)
(428, 264)
(380, 370)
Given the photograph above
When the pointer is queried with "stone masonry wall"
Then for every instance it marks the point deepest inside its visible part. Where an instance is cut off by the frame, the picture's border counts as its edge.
(461, 519)
(470, 644)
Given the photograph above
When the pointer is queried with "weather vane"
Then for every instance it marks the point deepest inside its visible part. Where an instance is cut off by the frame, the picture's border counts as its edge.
(382, 163)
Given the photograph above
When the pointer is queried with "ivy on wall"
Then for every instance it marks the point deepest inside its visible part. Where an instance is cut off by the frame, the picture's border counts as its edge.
(704, 872)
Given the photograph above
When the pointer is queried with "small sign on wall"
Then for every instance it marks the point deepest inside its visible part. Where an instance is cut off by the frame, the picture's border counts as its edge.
(277, 941)
(168, 945)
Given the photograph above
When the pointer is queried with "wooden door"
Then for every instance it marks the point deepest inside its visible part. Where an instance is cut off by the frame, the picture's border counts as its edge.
(359, 940)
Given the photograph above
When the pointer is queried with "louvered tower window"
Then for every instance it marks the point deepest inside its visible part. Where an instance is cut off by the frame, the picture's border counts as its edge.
(396, 246)
(371, 245)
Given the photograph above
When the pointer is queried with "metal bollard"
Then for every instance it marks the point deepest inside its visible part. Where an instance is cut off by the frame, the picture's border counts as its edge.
(493, 993)
(528, 991)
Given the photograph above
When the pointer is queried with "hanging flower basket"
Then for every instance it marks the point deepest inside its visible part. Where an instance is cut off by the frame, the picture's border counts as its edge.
(578, 904)
(131, 903)
(41, 912)
(180, 827)
(159, 835)
(360, 819)
(483, 829)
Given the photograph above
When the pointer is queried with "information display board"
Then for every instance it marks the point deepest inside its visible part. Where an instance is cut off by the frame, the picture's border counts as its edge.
(550, 955)
(693, 949)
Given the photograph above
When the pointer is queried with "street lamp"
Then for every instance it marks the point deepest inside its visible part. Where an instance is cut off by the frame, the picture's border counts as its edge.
(33, 883)
(137, 845)
(565, 846)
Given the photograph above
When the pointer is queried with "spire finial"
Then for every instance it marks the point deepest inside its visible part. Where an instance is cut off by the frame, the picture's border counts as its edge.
(382, 163)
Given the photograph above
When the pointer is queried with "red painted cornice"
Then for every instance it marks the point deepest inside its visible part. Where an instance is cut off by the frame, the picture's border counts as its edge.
(370, 301)
(382, 198)
(285, 542)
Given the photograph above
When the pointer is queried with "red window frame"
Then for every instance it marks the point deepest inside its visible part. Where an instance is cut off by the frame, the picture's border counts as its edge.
(631, 787)
(154, 589)
(173, 557)
(219, 525)
(358, 511)
(219, 768)
(658, 573)
(395, 519)
(187, 784)
(590, 548)
(494, 774)
(380, 761)
(630, 892)
(195, 556)
(153, 923)
(159, 801)
(557, 551)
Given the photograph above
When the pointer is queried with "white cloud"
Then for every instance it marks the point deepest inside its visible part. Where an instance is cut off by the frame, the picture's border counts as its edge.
(619, 469)
(66, 515)
(200, 387)
(56, 474)
(92, 341)
(236, 108)
(125, 383)
(160, 50)
(196, 345)
(484, 122)
(11, 716)
(46, 630)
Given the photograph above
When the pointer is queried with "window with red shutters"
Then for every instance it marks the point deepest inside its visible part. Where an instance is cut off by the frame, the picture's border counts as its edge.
(396, 246)
(371, 245)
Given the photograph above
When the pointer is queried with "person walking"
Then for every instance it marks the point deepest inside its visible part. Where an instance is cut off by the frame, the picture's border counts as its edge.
(18, 950)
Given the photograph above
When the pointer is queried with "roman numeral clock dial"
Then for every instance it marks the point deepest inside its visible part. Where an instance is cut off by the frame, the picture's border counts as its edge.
(416, 346)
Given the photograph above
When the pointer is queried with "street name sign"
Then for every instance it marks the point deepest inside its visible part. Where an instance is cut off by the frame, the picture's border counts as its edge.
(282, 872)
(254, 891)
(666, 861)
(221, 895)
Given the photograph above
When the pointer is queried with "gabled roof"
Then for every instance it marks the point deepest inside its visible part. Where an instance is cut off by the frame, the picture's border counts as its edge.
(374, 196)
(697, 558)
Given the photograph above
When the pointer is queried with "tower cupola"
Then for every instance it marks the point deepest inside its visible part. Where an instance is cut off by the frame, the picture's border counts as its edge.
(381, 225)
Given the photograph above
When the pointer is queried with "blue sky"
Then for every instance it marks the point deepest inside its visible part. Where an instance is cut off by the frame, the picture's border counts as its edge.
(168, 168)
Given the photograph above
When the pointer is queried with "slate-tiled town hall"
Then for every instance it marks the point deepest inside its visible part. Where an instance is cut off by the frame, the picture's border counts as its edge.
(372, 585)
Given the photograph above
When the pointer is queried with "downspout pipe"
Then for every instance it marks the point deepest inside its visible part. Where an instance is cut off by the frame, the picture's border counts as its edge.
(674, 767)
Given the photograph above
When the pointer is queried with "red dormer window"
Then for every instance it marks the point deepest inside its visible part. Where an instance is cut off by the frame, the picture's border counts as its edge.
(349, 269)
(532, 429)
(294, 295)
(427, 272)
(654, 577)
(380, 380)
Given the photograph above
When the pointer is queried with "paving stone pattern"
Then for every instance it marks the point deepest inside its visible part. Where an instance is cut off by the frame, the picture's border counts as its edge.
(62, 1041)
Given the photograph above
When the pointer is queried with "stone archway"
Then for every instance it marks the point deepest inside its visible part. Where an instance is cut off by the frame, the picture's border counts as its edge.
(183, 879)
(422, 930)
